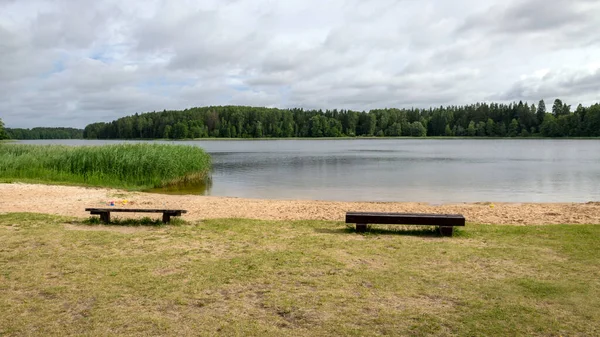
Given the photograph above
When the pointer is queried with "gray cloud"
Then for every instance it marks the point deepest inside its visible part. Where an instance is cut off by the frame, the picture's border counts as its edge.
(578, 83)
(69, 63)
(558, 21)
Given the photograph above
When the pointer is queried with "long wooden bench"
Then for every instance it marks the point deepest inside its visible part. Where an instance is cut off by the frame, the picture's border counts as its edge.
(446, 222)
(105, 212)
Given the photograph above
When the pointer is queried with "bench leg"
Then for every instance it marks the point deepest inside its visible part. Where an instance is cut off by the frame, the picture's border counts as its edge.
(446, 230)
(361, 227)
(105, 217)
(166, 218)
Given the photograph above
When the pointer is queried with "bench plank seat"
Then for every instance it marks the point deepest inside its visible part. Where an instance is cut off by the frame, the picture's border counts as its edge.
(446, 222)
(105, 212)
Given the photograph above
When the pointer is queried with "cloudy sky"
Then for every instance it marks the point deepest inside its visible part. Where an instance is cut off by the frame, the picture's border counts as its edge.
(73, 62)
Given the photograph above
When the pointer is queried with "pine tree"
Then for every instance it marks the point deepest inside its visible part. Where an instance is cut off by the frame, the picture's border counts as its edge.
(541, 112)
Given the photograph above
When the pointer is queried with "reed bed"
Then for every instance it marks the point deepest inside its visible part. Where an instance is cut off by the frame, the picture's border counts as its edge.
(132, 166)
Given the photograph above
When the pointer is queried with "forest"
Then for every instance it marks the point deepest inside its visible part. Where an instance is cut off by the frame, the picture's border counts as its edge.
(476, 120)
(45, 133)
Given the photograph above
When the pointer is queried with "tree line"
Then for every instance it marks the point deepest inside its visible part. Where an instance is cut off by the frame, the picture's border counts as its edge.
(45, 133)
(476, 120)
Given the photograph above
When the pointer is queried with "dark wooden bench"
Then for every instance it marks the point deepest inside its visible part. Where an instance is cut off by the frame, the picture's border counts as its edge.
(105, 212)
(446, 222)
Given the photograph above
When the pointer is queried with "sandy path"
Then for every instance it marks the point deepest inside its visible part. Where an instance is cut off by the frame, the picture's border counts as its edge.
(71, 201)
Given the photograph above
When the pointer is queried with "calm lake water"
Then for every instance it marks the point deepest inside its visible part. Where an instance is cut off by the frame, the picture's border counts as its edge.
(427, 170)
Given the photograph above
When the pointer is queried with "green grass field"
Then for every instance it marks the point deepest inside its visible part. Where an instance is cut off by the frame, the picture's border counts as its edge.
(63, 276)
(129, 166)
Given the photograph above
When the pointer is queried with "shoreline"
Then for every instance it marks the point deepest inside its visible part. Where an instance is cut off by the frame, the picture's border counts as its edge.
(72, 200)
(314, 138)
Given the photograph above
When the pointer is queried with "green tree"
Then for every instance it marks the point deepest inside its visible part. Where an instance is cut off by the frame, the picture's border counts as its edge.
(370, 124)
(258, 130)
(227, 131)
(288, 130)
(334, 127)
(550, 127)
(591, 121)
(3, 134)
(179, 131)
(557, 108)
(351, 120)
(417, 129)
(566, 109)
(167, 132)
(481, 129)
(448, 132)
(195, 132)
(394, 130)
(541, 112)
(570, 124)
(316, 126)
(437, 124)
(513, 128)
(471, 130)
(502, 129)
(490, 128)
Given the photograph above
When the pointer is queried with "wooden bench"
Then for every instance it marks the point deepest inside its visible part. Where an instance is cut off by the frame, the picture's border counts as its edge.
(446, 222)
(105, 212)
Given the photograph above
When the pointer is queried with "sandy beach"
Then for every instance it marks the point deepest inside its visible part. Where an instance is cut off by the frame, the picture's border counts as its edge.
(72, 200)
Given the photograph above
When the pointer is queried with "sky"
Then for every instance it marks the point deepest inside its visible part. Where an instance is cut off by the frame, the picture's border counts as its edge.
(72, 62)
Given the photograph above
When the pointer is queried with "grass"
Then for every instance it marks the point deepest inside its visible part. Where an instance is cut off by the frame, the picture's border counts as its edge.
(130, 166)
(63, 276)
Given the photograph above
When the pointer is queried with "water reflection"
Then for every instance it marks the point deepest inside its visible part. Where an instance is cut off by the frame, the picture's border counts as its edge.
(197, 189)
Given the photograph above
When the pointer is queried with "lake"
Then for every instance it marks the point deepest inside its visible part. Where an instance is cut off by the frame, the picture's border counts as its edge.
(423, 170)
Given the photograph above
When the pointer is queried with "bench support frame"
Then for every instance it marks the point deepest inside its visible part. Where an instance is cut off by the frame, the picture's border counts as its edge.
(361, 227)
(105, 217)
(446, 230)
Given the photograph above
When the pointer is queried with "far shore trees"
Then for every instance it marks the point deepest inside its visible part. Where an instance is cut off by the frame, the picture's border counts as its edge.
(477, 120)
(44, 133)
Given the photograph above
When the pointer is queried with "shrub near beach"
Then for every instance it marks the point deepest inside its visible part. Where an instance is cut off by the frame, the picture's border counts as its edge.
(136, 166)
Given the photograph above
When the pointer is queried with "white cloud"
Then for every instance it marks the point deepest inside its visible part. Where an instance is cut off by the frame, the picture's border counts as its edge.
(69, 62)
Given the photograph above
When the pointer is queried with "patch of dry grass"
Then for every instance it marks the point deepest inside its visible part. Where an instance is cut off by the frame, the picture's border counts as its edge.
(308, 278)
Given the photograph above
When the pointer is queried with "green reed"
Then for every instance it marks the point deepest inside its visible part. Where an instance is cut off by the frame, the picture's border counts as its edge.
(135, 166)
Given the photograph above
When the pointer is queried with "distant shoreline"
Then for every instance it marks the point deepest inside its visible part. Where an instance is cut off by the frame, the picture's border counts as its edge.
(318, 138)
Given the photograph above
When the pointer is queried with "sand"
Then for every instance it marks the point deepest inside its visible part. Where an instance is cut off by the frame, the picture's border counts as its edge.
(71, 201)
